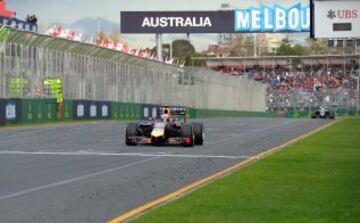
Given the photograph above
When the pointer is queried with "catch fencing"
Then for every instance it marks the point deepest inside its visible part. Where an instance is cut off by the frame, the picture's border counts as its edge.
(93, 73)
(309, 100)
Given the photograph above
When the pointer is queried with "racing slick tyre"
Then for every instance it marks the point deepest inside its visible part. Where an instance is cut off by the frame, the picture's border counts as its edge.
(131, 132)
(332, 115)
(315, 115)
(187, 135)
(198, 133)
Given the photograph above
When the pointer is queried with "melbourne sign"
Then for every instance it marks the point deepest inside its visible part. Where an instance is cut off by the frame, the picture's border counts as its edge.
(273, 19)
(253, 19)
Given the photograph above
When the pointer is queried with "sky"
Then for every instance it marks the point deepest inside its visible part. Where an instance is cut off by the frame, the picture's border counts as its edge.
(70, 11)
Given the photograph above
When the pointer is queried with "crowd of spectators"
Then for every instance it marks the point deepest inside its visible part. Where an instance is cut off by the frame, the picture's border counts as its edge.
(314, 78)
(304, 86)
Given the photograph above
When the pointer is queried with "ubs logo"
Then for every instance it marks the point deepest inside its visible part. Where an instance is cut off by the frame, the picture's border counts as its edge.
(342, 14)
(331, 14)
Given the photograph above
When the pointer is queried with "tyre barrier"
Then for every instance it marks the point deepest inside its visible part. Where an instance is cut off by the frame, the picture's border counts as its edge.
(125, 111)
(12, 111)
(93, 110)
(81, 110)
(38, 110)
(67, 111)
(150, 111)
(2, 112)
(29, 111)
(104, 109)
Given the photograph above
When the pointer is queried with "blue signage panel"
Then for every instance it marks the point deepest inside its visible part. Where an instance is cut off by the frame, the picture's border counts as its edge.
(273, 19)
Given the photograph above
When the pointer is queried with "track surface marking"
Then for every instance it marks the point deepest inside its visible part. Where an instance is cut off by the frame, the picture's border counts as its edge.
(85, 173)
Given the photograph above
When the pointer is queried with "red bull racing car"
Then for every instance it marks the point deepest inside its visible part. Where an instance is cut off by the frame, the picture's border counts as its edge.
(170, 128)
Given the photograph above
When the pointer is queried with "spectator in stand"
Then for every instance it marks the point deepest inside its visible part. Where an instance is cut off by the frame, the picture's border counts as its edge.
(31, 19)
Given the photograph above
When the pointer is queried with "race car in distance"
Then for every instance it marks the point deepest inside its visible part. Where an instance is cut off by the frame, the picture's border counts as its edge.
(323, 112)
(171, 128)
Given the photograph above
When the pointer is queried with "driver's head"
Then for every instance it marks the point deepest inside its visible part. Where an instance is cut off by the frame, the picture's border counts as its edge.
(166, 112)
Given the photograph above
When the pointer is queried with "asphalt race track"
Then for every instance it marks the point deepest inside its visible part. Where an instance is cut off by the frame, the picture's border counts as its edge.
(85, 173)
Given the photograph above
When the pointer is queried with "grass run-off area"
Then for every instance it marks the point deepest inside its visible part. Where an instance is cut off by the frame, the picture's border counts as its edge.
(314, 180)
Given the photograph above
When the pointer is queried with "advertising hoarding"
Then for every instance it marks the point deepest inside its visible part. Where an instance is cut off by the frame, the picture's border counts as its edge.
(18, 24)
(177, 22)
(254, 19)
(337, 19)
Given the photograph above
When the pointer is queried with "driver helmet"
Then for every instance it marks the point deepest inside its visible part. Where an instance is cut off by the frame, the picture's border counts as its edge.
(165, 115)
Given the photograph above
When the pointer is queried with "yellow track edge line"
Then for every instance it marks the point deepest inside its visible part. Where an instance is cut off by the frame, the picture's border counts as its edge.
(141, 209)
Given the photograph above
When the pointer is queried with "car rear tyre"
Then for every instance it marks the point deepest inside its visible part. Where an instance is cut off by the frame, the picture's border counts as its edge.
(131, 133)
(198, 133)
(188, 135)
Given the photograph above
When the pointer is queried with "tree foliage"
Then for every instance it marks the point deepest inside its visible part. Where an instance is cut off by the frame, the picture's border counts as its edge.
(182, 48)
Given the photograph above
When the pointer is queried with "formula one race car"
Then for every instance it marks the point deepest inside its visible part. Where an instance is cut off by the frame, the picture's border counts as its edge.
(170, 128)
(324, 113)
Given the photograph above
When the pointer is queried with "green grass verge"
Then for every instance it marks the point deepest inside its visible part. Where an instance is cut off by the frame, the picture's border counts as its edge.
(314, 180)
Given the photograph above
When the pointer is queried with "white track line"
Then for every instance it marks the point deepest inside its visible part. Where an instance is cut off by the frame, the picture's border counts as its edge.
(72, 180)
(98, 153)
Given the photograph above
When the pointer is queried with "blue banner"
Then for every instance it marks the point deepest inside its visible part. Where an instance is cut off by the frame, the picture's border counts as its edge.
(273, 19)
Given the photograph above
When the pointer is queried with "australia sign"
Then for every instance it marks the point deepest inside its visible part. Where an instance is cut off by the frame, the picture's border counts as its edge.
(176, 22)
(254, 19)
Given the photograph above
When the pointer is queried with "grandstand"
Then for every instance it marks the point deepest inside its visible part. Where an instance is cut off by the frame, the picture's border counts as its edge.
(299, 82)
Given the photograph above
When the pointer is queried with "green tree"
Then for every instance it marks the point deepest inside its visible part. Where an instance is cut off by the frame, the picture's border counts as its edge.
(182, 48)
(240, 47)
(319, 46)
(285, 49)
(101, 36)
(165, 50)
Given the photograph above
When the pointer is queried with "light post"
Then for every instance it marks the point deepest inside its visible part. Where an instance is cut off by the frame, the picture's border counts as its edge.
(358, 89)
(171, 50)
(98, 20)
(358, 93)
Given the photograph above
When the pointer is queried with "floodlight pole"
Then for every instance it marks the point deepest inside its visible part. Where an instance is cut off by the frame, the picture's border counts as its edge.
(171, 50)
(98, 19)
(159, 46)
(255, 54)
(358, 93)
(358, 89)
